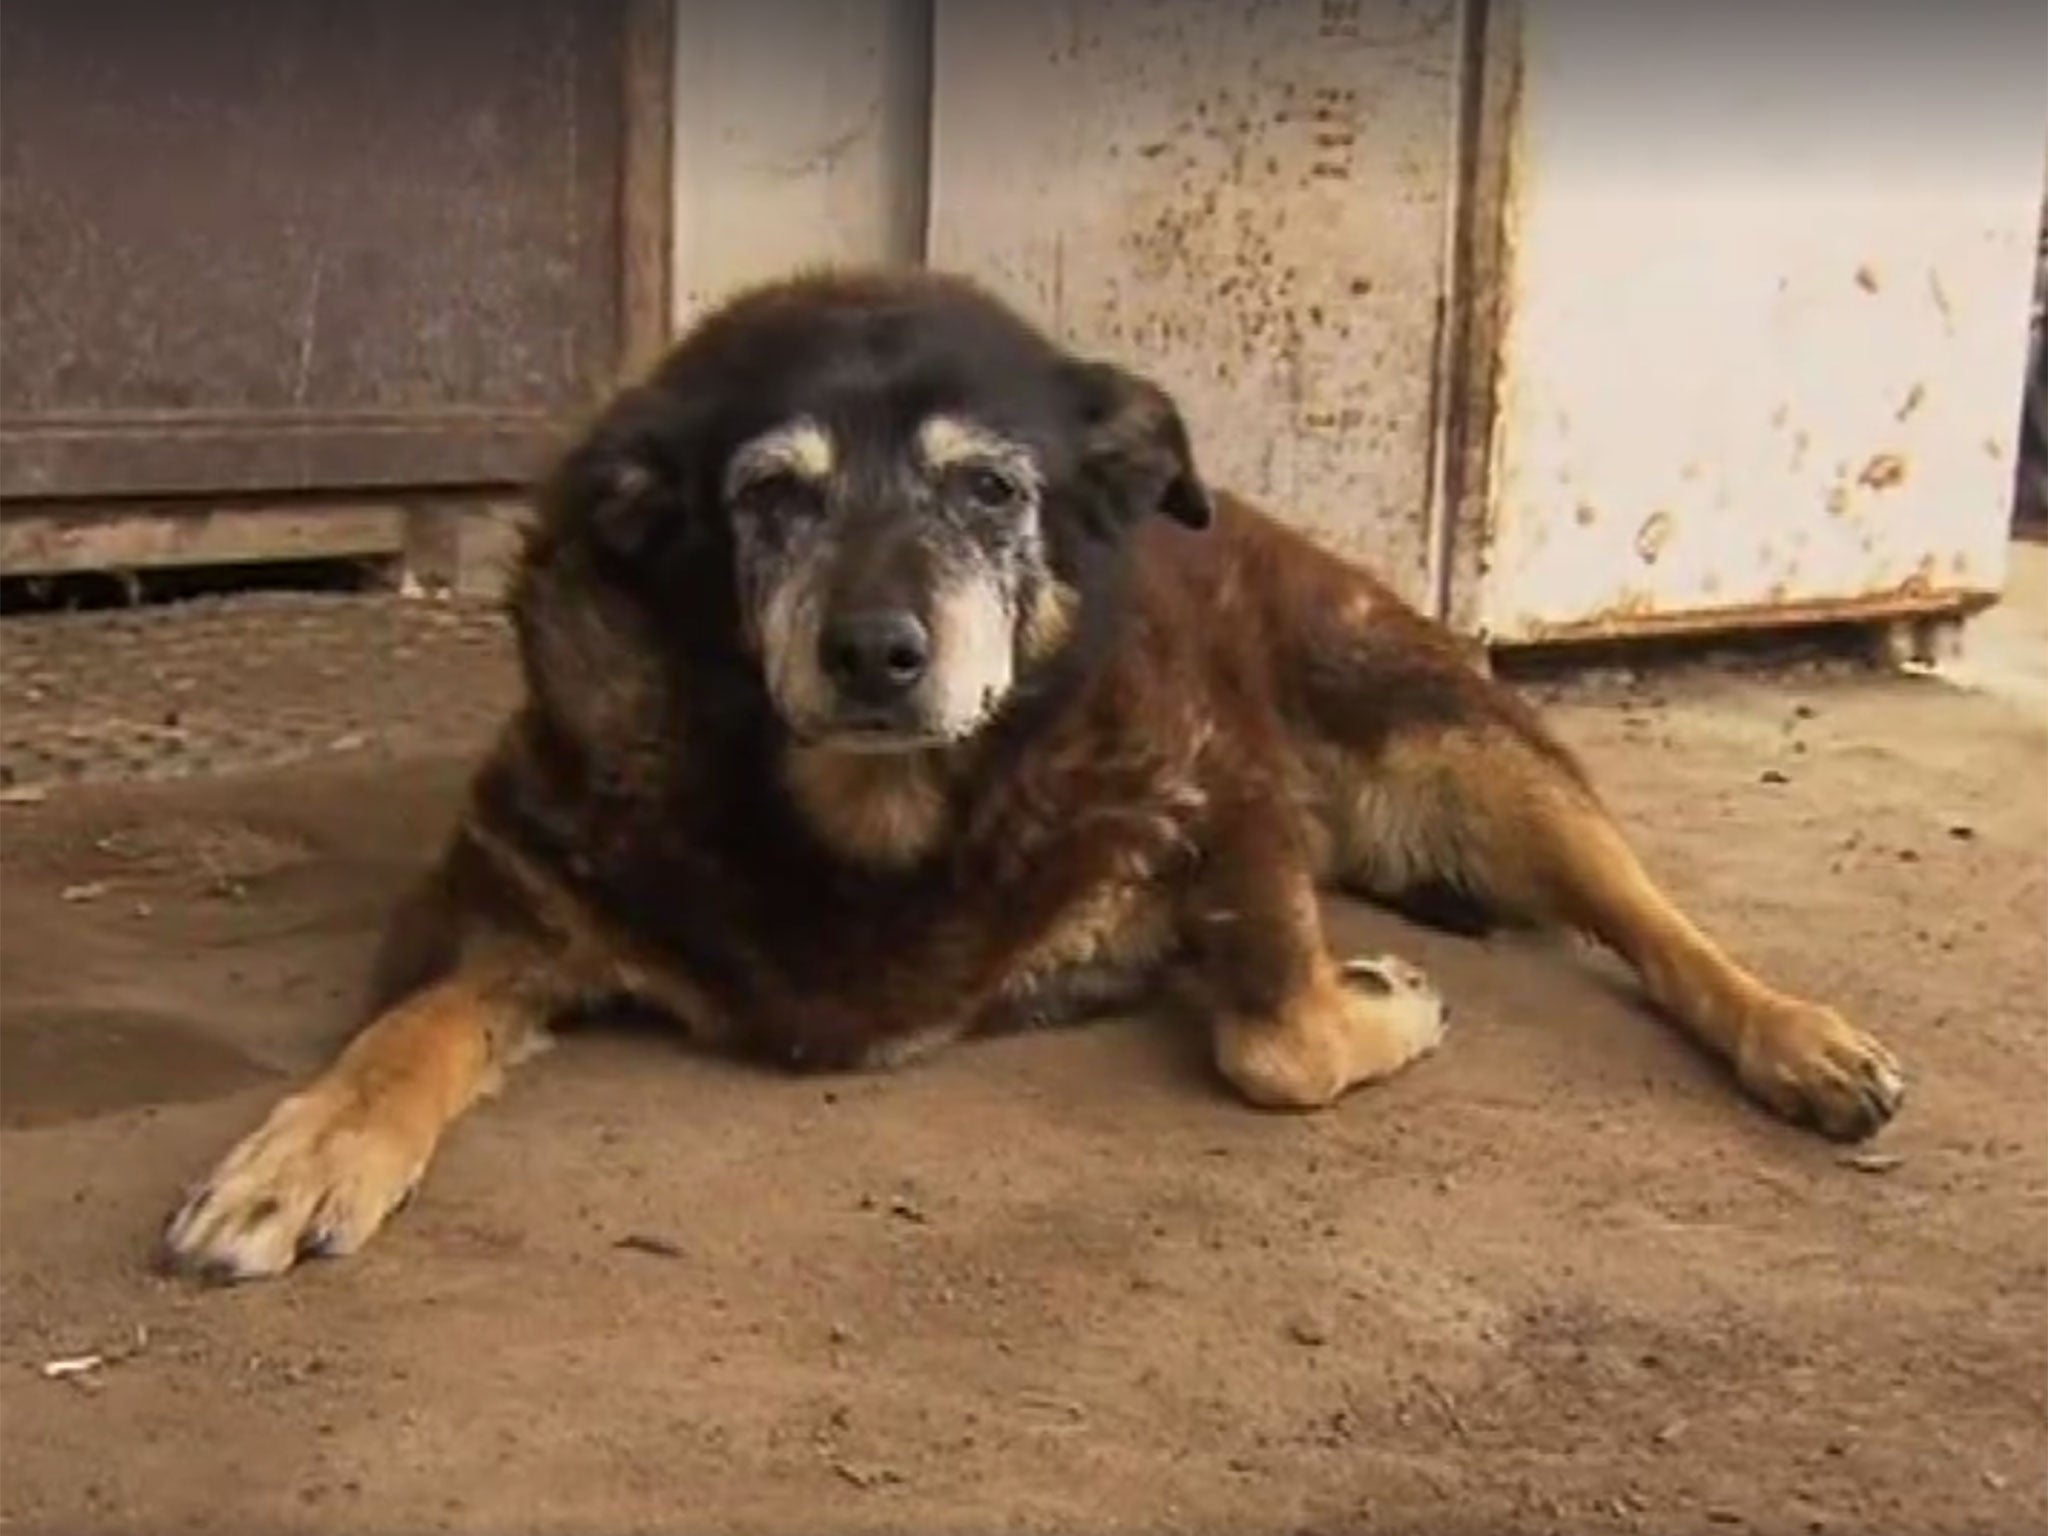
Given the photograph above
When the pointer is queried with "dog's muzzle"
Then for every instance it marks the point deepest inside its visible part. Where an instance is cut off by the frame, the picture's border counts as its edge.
(875, 658)
(877, 661)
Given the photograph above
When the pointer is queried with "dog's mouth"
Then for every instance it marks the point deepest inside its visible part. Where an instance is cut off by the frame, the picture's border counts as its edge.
(872, 734)
(877, 741)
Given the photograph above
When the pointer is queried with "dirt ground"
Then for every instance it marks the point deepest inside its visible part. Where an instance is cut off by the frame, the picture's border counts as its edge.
(1558, 1278)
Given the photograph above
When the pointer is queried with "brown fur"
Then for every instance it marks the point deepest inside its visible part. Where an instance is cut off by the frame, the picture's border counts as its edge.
(1265, 719)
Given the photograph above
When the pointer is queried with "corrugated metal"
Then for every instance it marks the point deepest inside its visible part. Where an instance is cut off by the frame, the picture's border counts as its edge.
(1765, 321)
(1250, 201)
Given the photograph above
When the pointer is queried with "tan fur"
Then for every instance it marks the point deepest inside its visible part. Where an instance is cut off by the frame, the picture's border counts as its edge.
(1049, 621)
(974, 644)
(886, 809)
(947, 442)
(334, 1159)
(1339, 1033)
(801, 448)
(1374, 827)
(1796, 1056)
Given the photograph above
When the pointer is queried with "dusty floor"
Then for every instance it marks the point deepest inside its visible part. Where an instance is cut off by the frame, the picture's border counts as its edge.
(1556, 1279)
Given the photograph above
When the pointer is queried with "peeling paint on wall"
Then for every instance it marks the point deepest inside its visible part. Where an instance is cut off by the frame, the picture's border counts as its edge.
(1766, 329)
(799, 139)
(1250, 201)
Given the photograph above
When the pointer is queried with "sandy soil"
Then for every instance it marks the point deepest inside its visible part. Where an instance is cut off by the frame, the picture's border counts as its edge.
(1557, 1279)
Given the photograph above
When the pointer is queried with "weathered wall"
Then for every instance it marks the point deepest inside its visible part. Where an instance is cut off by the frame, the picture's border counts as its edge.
(800, 130)
(1767, 275)
(1251, 201)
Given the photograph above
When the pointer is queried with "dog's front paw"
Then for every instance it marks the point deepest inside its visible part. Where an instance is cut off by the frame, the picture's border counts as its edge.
(1813, 1067)
(1406, 1005)
(317, 1178)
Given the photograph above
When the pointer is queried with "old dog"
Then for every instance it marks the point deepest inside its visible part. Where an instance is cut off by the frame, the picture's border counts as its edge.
(891, 674)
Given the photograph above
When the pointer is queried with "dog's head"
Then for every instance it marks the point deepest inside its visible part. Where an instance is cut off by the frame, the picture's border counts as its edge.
(891, 490)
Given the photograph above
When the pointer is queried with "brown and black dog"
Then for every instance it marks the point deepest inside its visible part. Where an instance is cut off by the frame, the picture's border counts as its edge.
(891, 676)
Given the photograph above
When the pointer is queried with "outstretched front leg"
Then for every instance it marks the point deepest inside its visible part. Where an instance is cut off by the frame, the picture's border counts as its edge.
(1292, 1026)
(1495, 809)
(336, 1158)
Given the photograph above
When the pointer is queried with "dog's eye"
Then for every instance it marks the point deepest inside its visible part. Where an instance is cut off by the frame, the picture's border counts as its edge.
(779, 493)
(990, 488)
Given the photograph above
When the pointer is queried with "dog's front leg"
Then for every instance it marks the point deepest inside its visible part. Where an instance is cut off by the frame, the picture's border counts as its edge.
(1293, 1027)
(333, 1160)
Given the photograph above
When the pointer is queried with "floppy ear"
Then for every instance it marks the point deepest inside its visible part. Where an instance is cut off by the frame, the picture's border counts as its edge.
(608, 509)
(1135, 440)
(625, 483)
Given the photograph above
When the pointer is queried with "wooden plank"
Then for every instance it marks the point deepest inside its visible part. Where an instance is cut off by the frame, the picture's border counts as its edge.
(646, 183)
(264, 248)
(190, 453)
(50, 541)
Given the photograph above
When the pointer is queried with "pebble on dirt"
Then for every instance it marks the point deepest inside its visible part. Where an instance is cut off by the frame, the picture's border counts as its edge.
(72, 1365)
(906, 1209)
(1309, 1332)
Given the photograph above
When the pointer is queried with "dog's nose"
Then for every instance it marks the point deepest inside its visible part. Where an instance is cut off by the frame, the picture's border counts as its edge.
(877, 656)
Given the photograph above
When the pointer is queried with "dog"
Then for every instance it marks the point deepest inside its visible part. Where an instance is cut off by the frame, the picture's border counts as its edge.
(891, 676)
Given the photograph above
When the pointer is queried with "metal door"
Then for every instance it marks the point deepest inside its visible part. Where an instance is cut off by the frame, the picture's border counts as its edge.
(1252, 202)
(1764, 320)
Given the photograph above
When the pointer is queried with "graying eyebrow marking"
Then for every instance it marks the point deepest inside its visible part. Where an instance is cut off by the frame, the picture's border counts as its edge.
(801, 447)
(947, 442)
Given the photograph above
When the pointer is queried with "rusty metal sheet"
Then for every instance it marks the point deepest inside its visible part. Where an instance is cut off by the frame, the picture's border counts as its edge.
(279, 244)
(1765, 330)
(1250, 201)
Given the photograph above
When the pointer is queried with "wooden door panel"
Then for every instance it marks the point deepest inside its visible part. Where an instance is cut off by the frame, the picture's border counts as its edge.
(291, 245)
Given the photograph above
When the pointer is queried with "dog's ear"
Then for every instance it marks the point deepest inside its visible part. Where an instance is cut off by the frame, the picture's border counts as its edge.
(609, 509)
(625, 483)
(1134, 439)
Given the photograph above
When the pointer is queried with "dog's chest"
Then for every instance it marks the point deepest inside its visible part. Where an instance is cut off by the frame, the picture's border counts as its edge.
(1053, 897)
(1078, 924)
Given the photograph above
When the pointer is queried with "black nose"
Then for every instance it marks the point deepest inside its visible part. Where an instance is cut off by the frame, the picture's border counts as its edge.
(877, 656)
